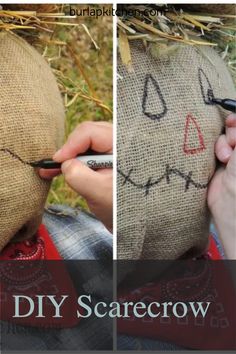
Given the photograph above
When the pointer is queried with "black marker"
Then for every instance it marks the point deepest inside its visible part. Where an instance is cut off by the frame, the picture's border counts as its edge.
(227, 103)
(95, 161)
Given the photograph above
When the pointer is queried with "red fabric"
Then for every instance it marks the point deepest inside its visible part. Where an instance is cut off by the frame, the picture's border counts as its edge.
(211, 282)
(40, 247)
(213, 251)
(36, 277)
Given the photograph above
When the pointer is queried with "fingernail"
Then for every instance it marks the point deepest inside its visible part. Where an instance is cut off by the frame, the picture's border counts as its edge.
(57, 155)
(225, 153)
(65, 165)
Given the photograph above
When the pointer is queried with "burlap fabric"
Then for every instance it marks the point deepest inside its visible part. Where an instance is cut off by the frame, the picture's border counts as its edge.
(31, 128)
(167, 128)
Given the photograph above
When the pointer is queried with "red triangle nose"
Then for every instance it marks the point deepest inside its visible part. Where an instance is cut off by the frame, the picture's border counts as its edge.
(193, 138)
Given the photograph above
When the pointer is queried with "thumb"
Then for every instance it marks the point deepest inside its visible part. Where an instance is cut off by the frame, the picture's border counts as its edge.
(82, 179)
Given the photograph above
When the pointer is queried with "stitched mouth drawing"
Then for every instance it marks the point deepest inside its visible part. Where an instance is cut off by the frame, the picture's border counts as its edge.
(169, 172)
(15, 156)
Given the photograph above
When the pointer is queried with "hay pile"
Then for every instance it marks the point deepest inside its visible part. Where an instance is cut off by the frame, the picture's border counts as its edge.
(38, 24)
(76, 49)
(163, 27)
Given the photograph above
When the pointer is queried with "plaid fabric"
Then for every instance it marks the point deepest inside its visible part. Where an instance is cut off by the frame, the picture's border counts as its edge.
(140, 343)
(77, 235)
(218, 243)
(86, 336)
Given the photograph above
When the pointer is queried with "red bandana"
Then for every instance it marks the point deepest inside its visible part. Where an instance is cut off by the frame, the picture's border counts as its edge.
(36, 278)
(215, 332)
(41, 247)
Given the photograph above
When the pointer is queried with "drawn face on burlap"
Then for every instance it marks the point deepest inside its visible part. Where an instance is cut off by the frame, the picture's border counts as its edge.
(167, 128)
(31, 128)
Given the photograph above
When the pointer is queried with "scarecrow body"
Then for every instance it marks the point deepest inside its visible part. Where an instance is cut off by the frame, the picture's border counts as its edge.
(166, 134)
(32, 128)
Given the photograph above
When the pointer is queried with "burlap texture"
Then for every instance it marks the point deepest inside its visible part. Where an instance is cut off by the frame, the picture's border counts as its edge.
(166, 135)
(32, 128)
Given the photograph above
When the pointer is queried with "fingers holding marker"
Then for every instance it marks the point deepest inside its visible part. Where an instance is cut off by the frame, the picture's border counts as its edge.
(48, 174)
(94, 186)
(88, 135)
(231, 130)
(222, 149)
(90, 176)
(82, 179)
(231, 120)
(226, 143)
(231, 166)
(231, 136)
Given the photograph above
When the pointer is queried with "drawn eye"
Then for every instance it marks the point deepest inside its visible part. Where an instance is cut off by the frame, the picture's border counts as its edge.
(153, 104)
(206, 88)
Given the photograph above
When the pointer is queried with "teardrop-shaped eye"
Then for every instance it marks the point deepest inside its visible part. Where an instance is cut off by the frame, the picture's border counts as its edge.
(153, 105)
(206, 88)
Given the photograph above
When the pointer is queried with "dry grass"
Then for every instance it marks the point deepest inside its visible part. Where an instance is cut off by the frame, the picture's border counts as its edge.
(180, 24)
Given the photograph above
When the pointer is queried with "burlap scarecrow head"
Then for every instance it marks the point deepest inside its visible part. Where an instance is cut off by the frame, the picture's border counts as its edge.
(31, 128)
(167, 128)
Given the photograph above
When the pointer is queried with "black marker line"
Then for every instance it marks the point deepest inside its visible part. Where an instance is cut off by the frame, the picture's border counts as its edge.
(148, 185)
(15, 156)
(153, 116)
(209, 95)
(127, 177)
(168, 173)
(188, 180)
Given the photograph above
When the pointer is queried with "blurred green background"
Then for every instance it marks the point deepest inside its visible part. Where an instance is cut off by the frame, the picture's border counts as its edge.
(84, 74)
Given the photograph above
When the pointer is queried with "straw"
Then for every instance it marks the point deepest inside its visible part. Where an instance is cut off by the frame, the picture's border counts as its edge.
(177, 24)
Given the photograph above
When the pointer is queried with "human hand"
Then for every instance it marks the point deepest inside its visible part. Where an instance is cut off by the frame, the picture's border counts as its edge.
(222, 189)
(94, 186)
